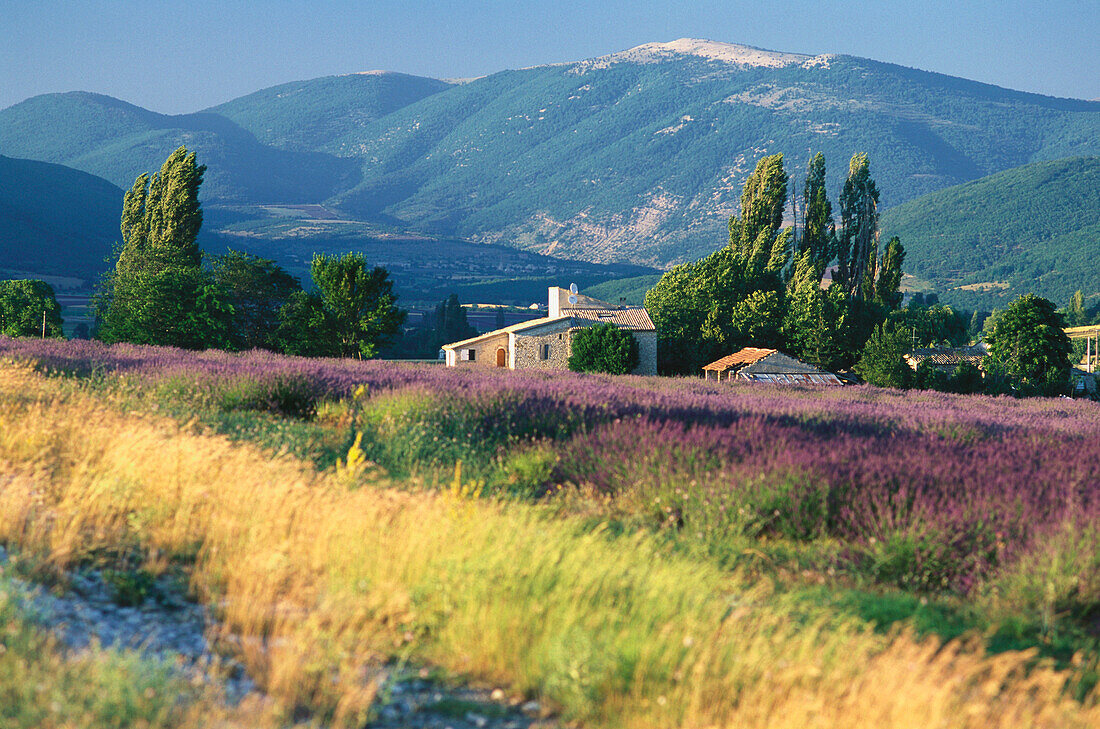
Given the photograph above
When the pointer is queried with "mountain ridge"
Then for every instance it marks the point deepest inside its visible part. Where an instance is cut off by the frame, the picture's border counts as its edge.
(637, 155)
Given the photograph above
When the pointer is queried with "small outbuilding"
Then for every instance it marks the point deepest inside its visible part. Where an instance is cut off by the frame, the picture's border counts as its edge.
(754, 364)
(947, 359)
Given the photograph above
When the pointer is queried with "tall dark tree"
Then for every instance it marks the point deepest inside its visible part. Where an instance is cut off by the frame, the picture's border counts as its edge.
(158, 292)
(28, 308)
(256, 288)
(818, 230)
(888, 284)
(754, 235)
(857, 244)
(446, 323)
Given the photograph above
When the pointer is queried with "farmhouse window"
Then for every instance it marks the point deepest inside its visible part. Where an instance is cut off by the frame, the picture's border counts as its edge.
(468, 355)
(544, 351)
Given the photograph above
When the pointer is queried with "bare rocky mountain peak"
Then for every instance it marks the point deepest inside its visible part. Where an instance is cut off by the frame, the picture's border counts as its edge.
(731, 53)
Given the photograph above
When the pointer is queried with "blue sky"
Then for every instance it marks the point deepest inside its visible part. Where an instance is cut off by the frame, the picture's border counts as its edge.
(176, 57)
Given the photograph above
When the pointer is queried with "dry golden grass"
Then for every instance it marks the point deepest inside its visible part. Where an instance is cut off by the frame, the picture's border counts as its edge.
(318, 579)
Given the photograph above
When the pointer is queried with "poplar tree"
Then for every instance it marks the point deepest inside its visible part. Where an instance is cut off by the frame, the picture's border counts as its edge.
(755, 236)
(819, 231)
(888, 285)
(158, 292)
(857, 244)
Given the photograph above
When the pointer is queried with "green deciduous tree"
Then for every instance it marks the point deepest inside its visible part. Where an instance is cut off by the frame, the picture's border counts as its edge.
(1028, 347)
(304, 328)
(930, 326)
(25, 305)
(359, 303)
(1074, 314)
(604, 348)
(256, 289)
(817, 324)
(158, 292)
(883, 361)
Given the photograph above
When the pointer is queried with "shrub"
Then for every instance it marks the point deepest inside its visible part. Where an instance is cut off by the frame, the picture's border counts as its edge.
(604, 348)
(883, 363)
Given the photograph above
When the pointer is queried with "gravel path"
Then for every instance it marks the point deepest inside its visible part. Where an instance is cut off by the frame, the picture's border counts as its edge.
(167, 626)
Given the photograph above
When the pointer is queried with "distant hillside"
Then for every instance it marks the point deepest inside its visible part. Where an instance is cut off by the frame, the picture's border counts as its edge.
(637, 156)
(310, 115)
(118, 141)
(1035, 228)
(641, 155)
(55, 220)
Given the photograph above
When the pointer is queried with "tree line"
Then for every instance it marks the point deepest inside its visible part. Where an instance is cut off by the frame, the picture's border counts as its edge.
(765, 288)
(163, 290)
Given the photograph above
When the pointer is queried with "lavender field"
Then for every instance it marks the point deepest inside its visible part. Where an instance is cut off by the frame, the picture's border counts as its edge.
(944, 512)
(927, 489)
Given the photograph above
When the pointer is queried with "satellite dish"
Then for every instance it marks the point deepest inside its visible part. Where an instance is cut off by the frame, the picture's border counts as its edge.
(573, 290)
(572, 298)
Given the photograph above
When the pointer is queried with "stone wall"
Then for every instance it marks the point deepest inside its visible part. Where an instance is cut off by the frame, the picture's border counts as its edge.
(527, 346)
(485, 352)
(647, 353)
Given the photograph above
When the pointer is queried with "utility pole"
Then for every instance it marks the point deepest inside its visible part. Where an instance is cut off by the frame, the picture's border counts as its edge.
(43, 323)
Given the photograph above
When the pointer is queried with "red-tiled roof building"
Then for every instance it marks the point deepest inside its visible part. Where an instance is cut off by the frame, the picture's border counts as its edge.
(753, 364)
(547, 343)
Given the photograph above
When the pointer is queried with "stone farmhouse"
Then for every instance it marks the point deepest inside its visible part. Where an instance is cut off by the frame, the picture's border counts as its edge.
(546, 344)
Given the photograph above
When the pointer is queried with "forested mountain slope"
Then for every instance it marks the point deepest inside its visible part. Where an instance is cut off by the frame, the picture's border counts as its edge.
(55, 220)
(1034, 229)
(311, 115)
(638, 156)
(118, 141)
(641, 155)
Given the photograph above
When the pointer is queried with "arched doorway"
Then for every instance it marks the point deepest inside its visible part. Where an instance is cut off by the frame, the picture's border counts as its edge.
(502, 357)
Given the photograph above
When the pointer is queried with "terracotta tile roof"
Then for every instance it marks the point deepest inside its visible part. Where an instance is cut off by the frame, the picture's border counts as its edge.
(523, 325)
(948, 356)
(793, 378)
(746, 356)
(634, 318)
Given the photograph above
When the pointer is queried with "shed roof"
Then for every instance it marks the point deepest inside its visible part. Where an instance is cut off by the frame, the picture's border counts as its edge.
(948, 356)
(746, 356)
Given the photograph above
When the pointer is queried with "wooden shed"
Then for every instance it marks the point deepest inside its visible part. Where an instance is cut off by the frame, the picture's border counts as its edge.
(754, 364)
